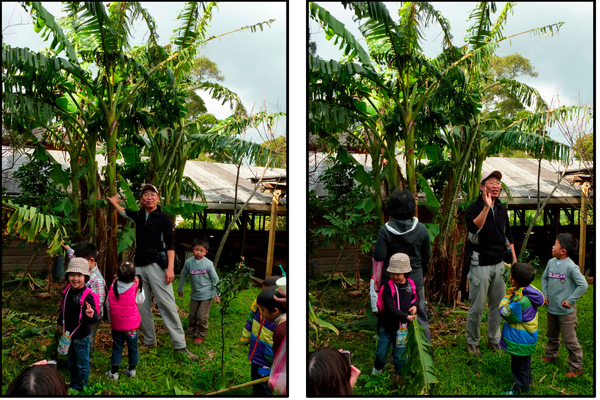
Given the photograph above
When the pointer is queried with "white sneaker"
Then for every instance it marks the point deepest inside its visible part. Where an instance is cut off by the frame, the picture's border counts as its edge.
(129, 373)
(376, 371)
(114, 376)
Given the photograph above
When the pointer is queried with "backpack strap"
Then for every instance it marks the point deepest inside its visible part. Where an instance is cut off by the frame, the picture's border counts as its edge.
(414, 290)
(66, 291)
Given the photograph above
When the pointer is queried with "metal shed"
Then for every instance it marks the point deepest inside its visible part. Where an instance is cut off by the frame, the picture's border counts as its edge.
(218, 182)
(520, 178)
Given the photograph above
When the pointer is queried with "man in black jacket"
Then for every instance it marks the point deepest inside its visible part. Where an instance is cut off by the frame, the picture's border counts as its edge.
(490, 240)
(155, 262)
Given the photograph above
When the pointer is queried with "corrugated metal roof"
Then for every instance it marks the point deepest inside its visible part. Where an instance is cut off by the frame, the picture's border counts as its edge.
(518, 174)
(216, 180)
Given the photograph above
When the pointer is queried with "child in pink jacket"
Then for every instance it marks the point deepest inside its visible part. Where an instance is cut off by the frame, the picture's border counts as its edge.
(124, 296)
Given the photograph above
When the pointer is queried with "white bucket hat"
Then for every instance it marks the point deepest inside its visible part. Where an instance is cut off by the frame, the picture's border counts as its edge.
(399, 264)
(79, 265)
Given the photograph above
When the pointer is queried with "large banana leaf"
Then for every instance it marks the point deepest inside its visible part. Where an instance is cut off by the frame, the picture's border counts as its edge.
(27, 223)
(419, 369)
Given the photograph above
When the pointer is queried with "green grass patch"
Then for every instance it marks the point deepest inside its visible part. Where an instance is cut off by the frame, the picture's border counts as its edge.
(458, 373)
(28, 330)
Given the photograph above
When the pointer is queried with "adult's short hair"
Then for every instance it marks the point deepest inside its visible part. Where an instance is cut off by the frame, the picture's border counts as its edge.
(38, 380)
(328, 373)
(402, 205)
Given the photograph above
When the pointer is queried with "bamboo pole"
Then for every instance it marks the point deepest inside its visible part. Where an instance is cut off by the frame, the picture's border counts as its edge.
(272, 232)
(583, 225)
(243, 385)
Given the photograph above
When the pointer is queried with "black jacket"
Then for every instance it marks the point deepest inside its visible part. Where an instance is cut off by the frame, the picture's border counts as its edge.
(152, 234)
(494, 233)
(72, 309)
(409, 237)
(391, 317)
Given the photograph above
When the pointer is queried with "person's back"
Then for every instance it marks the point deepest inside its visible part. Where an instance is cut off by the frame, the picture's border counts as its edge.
(124, 296)
(520, 332)
(519, 310)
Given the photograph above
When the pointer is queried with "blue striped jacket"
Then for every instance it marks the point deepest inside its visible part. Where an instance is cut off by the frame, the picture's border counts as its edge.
(519, 311)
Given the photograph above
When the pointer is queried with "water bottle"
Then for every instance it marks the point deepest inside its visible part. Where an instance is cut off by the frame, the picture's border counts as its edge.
(401, 336)
(64, 343)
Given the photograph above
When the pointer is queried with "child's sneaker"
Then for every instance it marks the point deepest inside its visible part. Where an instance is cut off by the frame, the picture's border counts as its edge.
(376, 371)
(114, 377)
(198, 340)
(572, 374)
(548, 359)
(130, 373)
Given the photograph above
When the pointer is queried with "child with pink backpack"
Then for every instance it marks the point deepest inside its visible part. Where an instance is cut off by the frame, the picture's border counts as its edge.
(397, 305)
(124, 296)
(78, 312)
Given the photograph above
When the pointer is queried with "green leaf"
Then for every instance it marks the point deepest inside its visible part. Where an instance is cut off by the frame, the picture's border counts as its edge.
(126, 240)
(325, 324)
(367, 205)
(433, 229)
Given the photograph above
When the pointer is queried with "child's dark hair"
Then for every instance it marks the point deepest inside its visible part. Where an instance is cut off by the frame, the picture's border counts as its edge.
(522, 274)
(266, 299)
(328, 373)
(38, 380)
(86, 250)
(568, 242)
(200, 242)
(271, 281)
(402, 205)
(125, 274)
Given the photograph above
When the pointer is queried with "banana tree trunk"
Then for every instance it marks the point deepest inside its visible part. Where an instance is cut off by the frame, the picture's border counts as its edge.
(111, 182)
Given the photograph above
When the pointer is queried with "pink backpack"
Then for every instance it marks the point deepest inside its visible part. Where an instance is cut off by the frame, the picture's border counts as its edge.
(380, 306)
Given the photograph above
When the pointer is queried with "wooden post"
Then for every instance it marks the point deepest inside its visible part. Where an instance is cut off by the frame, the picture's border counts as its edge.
(244, 233)
(271, 248)
(583, 225)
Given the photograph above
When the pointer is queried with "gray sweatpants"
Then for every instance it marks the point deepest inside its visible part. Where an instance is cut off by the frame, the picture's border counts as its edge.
(153, 277)
(485, 282)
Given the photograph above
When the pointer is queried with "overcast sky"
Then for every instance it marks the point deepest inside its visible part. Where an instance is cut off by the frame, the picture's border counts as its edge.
(254, 64)
(564, 61)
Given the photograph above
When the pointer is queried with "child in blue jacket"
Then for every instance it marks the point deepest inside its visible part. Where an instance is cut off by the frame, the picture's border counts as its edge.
(519, 309)
(258, 332)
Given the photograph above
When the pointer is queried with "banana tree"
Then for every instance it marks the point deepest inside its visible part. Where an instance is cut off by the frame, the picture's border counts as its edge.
(96, 34)
(472, 137)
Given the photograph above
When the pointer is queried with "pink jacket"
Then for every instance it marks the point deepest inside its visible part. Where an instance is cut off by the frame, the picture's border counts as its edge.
(124, 314)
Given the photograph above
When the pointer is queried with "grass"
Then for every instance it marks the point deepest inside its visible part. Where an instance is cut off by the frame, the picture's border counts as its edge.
(160, 371)
(458, 373)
